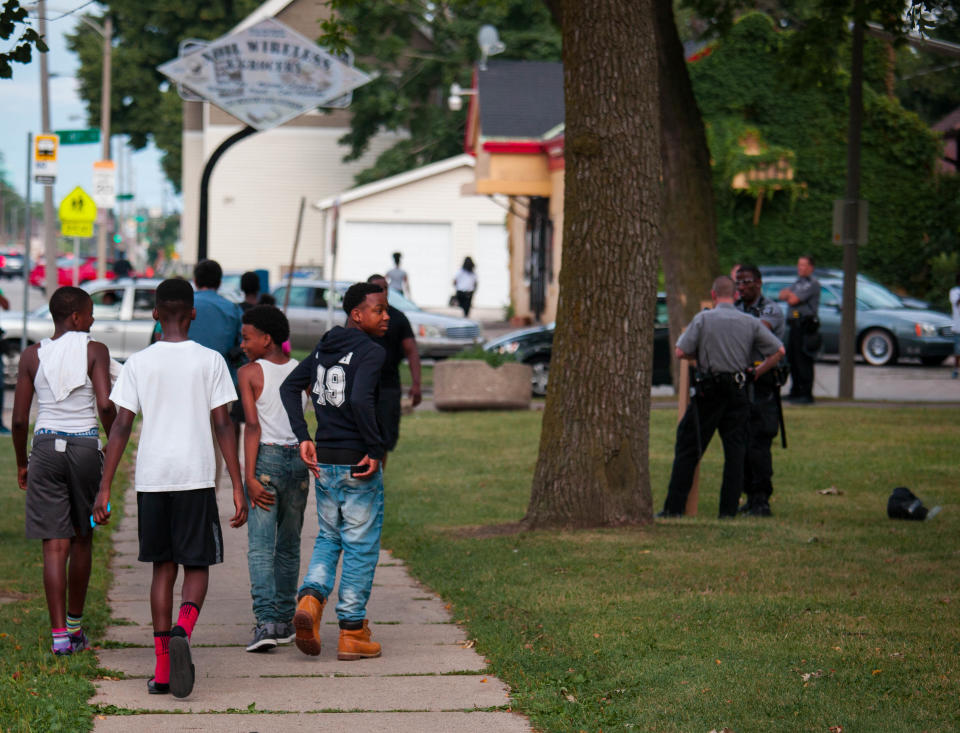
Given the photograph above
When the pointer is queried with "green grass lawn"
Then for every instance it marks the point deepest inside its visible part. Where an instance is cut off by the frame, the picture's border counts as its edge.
(828, 614)
(38, 691)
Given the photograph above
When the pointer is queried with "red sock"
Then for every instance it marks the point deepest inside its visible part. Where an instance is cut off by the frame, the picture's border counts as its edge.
(161, 647)
(188, 617)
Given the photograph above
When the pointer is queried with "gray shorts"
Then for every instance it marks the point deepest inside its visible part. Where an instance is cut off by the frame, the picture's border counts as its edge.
(63, 476)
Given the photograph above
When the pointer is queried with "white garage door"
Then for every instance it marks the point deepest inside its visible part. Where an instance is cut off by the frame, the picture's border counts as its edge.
(493, 267)
(367, 247)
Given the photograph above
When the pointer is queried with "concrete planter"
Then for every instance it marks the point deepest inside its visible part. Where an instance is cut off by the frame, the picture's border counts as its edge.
(462, 384)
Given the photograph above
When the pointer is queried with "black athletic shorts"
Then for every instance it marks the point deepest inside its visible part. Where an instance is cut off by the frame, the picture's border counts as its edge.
(388, 416)
(179, 526)
(63, 477)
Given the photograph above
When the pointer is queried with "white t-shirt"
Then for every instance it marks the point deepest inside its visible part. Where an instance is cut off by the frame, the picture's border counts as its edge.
(174, 385)
(954, 297)
(465, 281)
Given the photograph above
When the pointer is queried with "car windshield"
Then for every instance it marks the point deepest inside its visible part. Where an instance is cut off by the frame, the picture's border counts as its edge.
(398, 301)
(871, 296)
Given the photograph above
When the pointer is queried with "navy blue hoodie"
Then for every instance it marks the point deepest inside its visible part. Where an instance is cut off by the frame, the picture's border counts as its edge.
(344, 374)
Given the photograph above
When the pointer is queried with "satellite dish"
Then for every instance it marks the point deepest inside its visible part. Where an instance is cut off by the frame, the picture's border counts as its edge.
(490, 44)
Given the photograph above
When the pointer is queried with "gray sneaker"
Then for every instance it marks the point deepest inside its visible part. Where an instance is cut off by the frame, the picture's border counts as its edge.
(263, 640)
(79, 642)
(283, 632)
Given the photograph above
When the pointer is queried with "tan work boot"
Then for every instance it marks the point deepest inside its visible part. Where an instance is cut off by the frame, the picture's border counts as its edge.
(356, 644)
(306, 621)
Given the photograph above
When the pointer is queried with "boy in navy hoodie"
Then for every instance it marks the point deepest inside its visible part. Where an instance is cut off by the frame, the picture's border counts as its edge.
(344, 373)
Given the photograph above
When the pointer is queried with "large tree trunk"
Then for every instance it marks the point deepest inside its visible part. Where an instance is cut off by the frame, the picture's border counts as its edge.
(689, 249)
(593, 464)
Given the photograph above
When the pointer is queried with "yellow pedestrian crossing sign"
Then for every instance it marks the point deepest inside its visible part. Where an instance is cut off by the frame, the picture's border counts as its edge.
(77, 214)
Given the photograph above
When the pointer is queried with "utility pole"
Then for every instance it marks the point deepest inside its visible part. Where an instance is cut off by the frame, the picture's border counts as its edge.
(104, 214)
(49, 220)
(851, 218)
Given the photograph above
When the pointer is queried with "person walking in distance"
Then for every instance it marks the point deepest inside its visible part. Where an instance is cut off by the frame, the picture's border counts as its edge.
(721, 340)
(465, 283)
(181, 388)
(397, 277)
(803, 303)
(343, 372)
(70, 376)
(276, 479)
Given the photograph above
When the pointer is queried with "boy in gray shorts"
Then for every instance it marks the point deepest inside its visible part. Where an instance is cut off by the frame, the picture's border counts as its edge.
(70, 376)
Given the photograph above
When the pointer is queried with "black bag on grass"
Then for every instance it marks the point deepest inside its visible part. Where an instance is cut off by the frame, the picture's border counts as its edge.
(903, 504)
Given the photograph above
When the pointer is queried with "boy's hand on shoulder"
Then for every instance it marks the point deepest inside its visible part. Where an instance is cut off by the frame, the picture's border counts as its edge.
(240, 505)
(259, 496)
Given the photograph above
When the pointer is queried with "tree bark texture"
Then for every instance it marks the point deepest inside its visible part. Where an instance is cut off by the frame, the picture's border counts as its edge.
(689, 248)
(593, 467)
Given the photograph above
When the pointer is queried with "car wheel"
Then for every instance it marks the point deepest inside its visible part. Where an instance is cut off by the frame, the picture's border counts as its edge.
(931, 361)
(10, 356)
(878, 348)
(541, 373)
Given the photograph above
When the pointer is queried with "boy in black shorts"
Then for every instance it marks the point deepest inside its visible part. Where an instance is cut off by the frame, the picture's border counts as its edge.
(70, 376)
(180, 387)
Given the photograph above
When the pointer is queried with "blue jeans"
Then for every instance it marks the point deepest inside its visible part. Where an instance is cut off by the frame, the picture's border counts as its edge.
(274, 536)
(350, 514)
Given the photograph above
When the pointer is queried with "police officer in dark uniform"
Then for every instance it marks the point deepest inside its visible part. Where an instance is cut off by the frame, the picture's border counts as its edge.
(721, 341)
(764, 404)
(803, 303)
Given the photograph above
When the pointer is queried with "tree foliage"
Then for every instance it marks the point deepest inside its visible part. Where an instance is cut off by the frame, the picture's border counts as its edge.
(143, 105)
(13, 25)
(748, 81)
(419, 48)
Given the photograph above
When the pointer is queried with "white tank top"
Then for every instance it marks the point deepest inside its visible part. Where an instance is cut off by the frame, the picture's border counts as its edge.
(274, 423)
(76, 413)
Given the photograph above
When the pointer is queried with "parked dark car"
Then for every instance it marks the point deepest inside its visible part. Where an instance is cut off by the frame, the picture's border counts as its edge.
(886, 328)
(534, 345)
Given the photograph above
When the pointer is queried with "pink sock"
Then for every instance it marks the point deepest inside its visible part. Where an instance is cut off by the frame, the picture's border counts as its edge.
(188, 617)
(161, 647)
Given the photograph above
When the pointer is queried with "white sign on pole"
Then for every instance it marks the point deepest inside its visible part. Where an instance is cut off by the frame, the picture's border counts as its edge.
(265, 75)
(105, 184)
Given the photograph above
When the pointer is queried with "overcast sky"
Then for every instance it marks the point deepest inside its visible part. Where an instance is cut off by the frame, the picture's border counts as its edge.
(20, 102)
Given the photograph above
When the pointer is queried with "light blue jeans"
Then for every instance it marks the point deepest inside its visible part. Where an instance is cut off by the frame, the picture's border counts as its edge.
(273, 537)
(350, 514)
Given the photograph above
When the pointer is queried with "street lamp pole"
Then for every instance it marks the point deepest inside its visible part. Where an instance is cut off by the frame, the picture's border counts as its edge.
(103, 213)
(49, 223)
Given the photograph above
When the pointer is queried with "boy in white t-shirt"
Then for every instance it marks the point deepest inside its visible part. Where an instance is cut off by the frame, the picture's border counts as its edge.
(275, 477)
(179, 386)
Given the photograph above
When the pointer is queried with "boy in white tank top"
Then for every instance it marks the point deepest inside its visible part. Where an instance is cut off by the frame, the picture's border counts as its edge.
(70, 374)
(275, 478)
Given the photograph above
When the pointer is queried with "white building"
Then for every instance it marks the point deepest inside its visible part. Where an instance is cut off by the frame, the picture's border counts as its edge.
(423, 215)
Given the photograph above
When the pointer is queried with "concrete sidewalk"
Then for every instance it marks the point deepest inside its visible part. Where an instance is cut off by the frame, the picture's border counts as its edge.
(428, 678)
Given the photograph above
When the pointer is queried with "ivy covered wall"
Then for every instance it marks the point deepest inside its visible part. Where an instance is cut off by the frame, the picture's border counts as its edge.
(746, 84)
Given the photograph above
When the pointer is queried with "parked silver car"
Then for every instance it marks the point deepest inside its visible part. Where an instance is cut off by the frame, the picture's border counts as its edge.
(437, 335)
(886, 328)
(123, 320)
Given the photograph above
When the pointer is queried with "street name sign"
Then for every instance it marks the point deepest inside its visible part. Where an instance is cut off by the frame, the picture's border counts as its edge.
(265, 75)
(45, 159)
(79, 137)
(77, 214)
